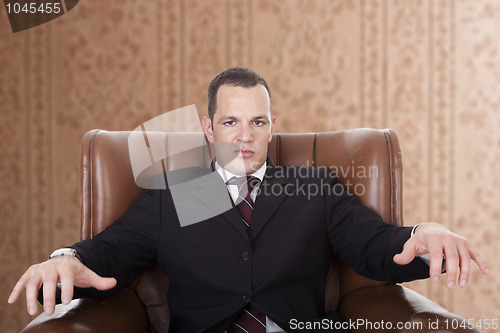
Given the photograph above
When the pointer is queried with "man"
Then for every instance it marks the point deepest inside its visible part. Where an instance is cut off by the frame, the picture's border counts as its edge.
(267, 258)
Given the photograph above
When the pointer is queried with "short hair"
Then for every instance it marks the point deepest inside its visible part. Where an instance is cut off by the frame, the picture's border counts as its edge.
(236, 77)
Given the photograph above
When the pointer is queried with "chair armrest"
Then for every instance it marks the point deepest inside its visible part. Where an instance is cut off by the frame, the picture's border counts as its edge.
(393, 305)
(122, 312)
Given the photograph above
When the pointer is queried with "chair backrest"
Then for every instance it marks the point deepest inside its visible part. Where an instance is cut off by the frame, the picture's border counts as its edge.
(367, 161)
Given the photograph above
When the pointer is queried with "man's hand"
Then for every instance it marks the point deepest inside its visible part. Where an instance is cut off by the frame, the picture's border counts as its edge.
(67, 270)
(437, 240)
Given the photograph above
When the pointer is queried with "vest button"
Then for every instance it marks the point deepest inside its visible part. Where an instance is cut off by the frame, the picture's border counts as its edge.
(245, 256)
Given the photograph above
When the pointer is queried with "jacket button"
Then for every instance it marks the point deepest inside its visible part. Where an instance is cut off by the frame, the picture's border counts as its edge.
(246, 298)
(245, 256)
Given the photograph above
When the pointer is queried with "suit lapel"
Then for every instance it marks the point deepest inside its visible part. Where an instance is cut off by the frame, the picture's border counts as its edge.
(267, 202)
(216, 189)
(270, 198)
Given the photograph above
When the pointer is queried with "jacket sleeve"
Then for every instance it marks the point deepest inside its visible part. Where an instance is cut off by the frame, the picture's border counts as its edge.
(125, 247)
(365, 242)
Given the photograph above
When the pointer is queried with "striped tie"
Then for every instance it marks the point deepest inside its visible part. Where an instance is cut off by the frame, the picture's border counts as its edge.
(244, 203)
(249, 320)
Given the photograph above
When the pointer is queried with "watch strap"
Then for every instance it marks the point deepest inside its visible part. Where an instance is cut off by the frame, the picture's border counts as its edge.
(66, 251)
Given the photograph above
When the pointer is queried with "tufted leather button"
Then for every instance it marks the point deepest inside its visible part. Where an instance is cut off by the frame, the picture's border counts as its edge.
(245, 256)
(246, 298)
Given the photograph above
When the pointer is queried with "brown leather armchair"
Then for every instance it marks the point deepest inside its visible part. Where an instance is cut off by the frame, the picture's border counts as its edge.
(108, 189)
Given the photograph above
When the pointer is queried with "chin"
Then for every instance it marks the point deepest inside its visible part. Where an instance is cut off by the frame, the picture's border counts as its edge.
(243, 166)
(252, 166)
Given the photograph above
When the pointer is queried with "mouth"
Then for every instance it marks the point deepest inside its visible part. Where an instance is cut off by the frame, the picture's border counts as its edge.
(245, 153)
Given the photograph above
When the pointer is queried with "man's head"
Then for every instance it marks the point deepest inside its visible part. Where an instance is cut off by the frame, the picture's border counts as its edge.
(239, 108)
(235, 77)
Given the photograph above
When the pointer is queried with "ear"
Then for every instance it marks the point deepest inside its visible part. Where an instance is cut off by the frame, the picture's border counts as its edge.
(206, 124)
(273, 120)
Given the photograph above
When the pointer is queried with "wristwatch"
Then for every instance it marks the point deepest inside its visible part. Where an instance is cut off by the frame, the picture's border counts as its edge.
(66, 251)
(413, 230)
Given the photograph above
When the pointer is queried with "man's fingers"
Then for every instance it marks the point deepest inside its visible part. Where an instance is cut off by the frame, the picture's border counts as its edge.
(89, 278)
(452, 264)
(408, 254)
(67, 270)
(31, 296)
(49, 293)
(436, 259)
(67, 284)
(479, 261)
(106, 283)
(464, 266)
(18, 288)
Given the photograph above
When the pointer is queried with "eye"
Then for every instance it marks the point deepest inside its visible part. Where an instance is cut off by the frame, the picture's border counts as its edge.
(229, 123)
(259, 123)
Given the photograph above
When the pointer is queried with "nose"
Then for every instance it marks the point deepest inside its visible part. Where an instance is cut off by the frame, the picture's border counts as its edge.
(246, 134)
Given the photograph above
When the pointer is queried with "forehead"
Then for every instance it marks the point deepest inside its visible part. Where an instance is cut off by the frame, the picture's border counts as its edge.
(248, 100)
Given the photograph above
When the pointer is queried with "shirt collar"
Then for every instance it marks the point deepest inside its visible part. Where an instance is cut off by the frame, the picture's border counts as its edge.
(226, 175)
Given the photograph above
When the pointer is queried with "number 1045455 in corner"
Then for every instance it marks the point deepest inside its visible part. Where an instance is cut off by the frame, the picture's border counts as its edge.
(27, 7)
(455, 324)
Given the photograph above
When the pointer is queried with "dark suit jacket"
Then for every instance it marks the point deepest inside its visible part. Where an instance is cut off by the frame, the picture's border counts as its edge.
(279, 267)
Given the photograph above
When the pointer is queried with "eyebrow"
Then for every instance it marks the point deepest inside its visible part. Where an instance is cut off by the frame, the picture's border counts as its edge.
(227, 118)
(260, 117)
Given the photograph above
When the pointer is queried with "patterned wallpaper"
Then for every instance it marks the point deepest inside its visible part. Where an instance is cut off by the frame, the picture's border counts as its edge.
(428, 69)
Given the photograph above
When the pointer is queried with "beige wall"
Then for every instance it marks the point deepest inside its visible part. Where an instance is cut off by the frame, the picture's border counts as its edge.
(430, 69)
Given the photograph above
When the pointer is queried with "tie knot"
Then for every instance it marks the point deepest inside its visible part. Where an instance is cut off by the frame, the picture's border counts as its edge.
(244, 182)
